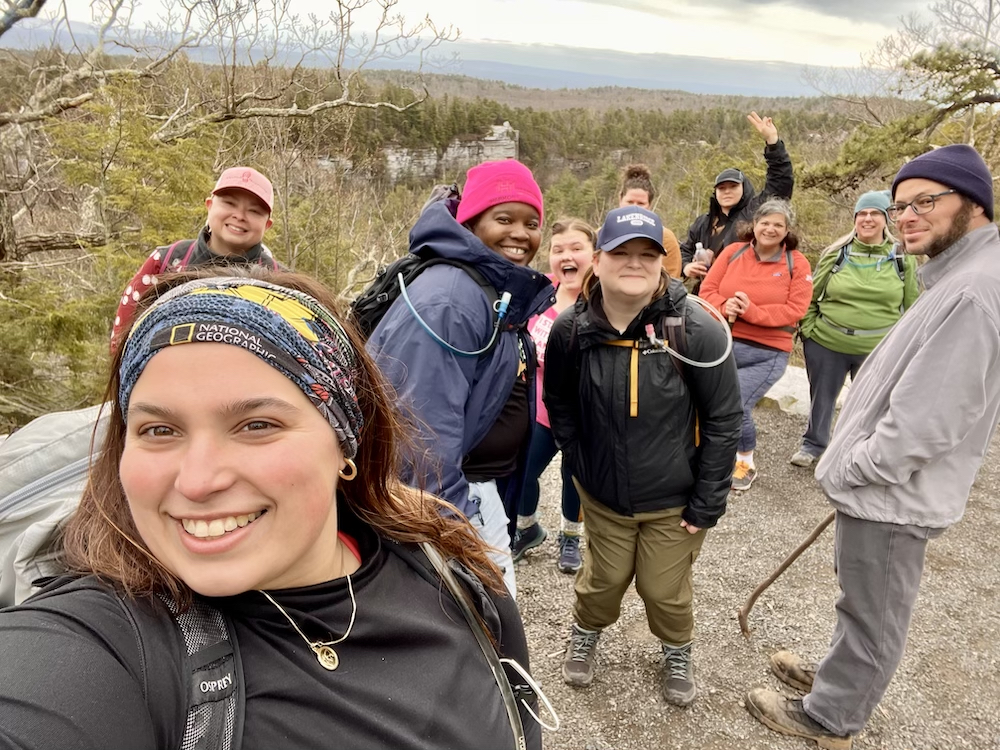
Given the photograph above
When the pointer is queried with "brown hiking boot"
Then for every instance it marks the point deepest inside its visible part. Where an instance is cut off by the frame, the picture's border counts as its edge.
(578, 666)
(787, 716)
(793, 671)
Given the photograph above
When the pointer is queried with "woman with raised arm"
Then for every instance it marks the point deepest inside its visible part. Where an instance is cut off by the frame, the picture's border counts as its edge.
(734, 200)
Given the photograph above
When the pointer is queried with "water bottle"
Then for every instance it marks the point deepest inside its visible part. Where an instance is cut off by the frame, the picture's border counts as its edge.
(701, 255)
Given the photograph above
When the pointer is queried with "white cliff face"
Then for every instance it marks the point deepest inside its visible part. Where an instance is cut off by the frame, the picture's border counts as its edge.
(791, 392)
(500, 143)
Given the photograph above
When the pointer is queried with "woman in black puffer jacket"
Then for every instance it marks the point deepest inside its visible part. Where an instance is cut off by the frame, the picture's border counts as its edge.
(650, 444)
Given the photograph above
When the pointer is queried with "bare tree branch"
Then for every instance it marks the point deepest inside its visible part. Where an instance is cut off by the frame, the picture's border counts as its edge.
(18, 10)
(166, 136)
(28, 244)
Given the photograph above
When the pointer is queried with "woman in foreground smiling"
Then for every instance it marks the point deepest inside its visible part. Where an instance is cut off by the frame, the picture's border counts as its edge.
(248, 477)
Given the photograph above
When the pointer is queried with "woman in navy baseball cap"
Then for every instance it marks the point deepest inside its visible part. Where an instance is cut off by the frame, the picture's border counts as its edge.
(650, 447)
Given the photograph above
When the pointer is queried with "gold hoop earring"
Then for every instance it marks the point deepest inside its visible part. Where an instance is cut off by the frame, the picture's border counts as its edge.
(352, 471)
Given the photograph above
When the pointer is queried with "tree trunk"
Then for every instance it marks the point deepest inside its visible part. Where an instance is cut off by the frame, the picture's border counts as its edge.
(39, 243)
(7, 238)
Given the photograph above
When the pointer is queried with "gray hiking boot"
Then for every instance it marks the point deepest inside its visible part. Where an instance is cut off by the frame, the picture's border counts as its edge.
(578, 666)
(803, 459)
(787, 716)
(793, 671)
(678, 675)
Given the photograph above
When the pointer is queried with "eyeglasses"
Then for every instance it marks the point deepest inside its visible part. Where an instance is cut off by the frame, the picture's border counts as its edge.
(922, 205)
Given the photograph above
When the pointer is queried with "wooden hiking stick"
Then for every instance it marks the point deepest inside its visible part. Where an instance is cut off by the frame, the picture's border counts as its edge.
(745, 609)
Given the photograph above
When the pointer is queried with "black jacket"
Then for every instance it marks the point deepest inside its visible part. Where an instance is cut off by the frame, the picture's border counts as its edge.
(650, 461)
(778, 184)
(74, 675)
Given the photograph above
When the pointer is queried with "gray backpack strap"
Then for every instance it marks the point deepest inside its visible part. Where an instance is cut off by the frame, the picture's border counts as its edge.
(738, 253)
(479, 631)
(216, 691)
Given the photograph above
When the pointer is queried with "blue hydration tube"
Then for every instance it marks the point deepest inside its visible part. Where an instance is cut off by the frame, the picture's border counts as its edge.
(500, 307)
(661, 344)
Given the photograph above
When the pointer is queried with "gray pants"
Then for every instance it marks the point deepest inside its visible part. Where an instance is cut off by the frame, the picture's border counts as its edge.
(879, 566)
(827, 371)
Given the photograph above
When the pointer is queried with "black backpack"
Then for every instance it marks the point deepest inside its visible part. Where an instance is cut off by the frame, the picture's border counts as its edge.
(374, 302)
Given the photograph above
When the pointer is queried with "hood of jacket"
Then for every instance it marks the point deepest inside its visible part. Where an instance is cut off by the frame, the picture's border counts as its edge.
(749, 193)
(438, 234)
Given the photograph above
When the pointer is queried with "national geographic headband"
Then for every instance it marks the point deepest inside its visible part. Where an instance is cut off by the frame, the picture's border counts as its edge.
(287, 329)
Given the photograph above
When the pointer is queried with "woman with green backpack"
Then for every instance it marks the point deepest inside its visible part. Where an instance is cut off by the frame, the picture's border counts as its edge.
(861, 287)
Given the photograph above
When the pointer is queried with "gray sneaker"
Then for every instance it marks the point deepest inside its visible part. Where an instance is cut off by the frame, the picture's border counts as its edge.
(578, 666)
(743, 476)
(678, 675)
(803, 459)
(570, 560)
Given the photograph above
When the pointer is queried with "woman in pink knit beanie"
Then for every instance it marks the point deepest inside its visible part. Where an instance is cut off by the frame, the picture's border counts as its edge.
(502, 206)
(470, 385)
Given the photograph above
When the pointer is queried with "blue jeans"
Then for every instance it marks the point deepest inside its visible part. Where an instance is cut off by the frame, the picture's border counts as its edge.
(541, 451)
(758, 369)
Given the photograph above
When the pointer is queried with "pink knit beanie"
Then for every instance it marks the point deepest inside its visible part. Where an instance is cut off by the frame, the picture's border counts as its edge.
(494, 182)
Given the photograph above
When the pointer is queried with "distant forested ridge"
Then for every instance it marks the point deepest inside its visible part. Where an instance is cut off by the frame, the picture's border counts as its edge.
(105, 157)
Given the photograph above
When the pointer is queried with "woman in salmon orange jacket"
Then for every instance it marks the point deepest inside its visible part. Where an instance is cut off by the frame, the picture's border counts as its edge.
(763, 284)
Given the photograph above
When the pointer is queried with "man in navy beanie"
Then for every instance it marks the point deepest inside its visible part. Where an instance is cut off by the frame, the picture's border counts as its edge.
(910, 439)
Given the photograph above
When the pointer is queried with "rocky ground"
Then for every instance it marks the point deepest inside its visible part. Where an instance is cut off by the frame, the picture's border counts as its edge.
(945, 696)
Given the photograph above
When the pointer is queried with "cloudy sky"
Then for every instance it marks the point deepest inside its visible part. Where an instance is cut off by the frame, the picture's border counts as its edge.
(814, 32)
(817, 32)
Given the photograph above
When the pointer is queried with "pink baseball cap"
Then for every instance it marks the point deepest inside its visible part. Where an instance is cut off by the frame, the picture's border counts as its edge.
(249, 179)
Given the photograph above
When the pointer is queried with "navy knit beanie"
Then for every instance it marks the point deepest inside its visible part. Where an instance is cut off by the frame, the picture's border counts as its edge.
(959, 167)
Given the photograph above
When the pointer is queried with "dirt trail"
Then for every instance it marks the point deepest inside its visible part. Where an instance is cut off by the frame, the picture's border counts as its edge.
(945, 696)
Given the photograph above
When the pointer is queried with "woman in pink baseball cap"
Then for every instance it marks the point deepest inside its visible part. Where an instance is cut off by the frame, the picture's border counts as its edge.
(457, 351)
(239, 212)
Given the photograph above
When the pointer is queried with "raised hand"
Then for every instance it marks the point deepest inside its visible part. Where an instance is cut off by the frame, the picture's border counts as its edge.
(765, 126)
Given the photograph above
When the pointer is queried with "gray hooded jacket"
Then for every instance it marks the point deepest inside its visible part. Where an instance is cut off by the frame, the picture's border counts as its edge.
(921, 415)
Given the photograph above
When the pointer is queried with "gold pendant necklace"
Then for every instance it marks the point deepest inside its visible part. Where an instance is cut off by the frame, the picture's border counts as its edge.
(325, 654)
